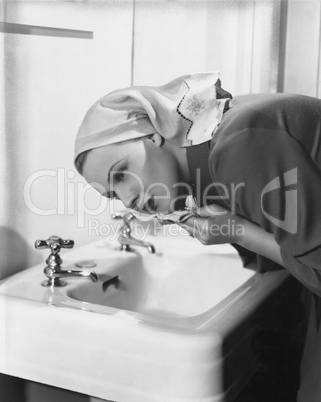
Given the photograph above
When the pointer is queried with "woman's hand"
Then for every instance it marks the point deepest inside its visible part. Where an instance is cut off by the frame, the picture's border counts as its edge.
(215, 225)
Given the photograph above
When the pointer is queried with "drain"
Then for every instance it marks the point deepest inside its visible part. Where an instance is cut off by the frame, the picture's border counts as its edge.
(86, 264)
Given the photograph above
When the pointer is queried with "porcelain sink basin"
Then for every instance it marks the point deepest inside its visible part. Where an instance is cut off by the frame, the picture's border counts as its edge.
(172, 327)
(165, 286)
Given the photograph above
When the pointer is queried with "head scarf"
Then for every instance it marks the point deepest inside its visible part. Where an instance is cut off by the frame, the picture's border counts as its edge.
(186, 111)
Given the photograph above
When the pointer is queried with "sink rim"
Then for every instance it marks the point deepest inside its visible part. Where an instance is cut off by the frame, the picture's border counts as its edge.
(60, 297)
(191, 323)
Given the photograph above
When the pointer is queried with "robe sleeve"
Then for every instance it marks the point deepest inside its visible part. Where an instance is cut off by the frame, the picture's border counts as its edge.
(278, 187)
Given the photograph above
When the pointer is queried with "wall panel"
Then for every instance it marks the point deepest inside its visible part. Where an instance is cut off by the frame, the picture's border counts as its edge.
(50, 82)
(239, 38)
(303, 48)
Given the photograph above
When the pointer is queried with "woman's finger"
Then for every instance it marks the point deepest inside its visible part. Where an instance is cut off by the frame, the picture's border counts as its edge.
(193, 232)
(188, 230)
(211, 210)
(196, 226)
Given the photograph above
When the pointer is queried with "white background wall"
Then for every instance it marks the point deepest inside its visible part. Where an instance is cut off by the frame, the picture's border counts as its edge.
(238, 38)
(303, 48)
(49, 83)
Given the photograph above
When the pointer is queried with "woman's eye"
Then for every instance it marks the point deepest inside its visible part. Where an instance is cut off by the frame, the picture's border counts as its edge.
(119, 175)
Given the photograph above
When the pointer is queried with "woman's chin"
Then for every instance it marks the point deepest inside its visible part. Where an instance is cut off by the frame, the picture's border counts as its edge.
(172, 207)
(179, 204)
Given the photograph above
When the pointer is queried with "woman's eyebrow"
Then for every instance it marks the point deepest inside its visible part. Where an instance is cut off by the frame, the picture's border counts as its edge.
(112, 168)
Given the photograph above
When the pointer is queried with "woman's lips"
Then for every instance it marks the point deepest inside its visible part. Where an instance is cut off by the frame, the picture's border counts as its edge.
(149, 206)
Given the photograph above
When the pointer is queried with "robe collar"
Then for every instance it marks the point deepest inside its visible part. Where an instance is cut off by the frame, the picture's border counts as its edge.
(197, 158)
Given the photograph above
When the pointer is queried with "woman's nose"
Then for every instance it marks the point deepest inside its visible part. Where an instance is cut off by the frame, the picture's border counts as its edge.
(129, 200)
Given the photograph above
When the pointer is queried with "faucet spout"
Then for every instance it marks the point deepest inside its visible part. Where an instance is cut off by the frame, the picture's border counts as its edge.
(125, 238)
(51, 273)
(54, 276)
(126, 242)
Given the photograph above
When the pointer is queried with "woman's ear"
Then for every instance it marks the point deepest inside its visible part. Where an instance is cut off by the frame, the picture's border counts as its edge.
(157, 139)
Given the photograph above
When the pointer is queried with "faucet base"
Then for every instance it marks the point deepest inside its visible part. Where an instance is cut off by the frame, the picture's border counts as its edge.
(54, 282)
(125, 247)
(125, 244)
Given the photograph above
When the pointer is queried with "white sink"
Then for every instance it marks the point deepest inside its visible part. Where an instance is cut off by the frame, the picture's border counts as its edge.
(169, 330)
(174, 286)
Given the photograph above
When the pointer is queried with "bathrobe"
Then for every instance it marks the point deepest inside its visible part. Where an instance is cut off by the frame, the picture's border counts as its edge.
(264, 163)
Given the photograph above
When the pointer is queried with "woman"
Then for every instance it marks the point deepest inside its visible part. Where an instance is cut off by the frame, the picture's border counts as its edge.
(252, 163)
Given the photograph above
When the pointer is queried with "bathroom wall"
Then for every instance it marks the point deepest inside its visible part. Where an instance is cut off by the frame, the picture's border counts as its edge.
(49, 83)
(239, 38)
(303, 48)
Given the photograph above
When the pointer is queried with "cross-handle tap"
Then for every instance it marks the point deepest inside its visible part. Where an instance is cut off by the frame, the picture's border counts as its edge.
(53, 269)
(125, 237)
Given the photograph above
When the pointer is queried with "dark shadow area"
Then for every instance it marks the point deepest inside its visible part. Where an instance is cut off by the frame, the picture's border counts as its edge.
(278, 377)
(12, 389)
(16, 254)
(36, 392)
(277, 380)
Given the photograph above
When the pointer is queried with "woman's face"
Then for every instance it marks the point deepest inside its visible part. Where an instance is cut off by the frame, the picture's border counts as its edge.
(144, 175)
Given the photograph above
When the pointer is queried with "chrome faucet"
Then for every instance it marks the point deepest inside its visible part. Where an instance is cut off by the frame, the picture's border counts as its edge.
(53, 269)
(125, 238)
